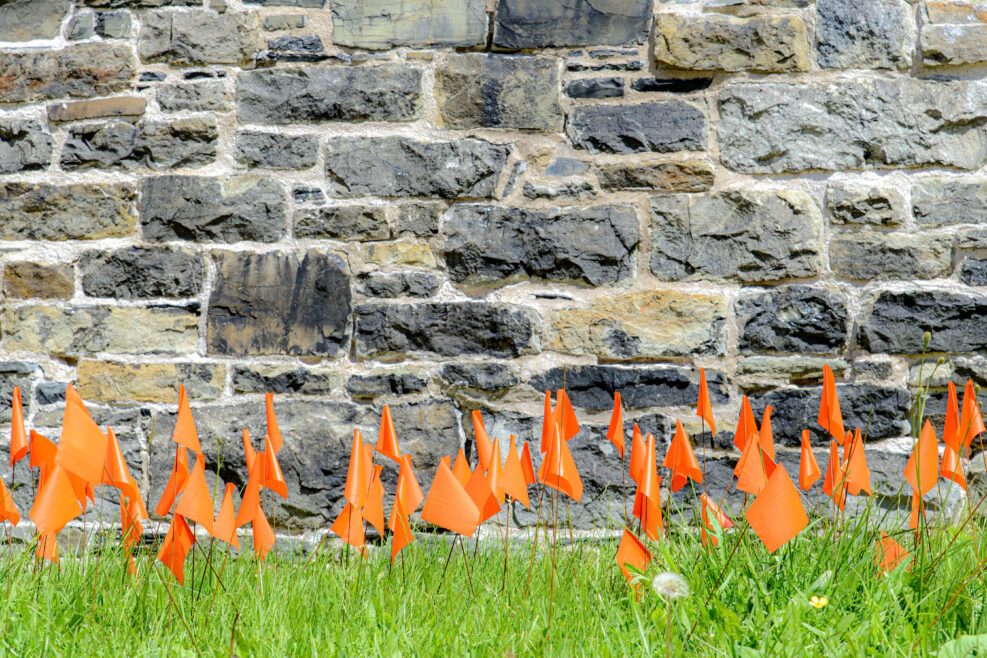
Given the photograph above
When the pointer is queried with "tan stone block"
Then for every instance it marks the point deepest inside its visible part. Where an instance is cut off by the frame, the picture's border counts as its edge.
(113, 381)
(120, 106)
(24, 280)
(659, 175)
(399, 252)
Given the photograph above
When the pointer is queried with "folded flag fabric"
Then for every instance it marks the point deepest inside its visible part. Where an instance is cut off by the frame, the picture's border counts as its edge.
(746, 426)
(176, 482)
(8, 511)
(971, 422)
(196, 502)
(82, 445)
(711, 512)
(273, 477)
(855, 465)
(449, 506)
(951, 469)
(387, 438)
(484, 447)
(681, 460)
(889, 554)
(56, 503)
(512, 481)
(632, 552)
(359, 472)
(777, 515)
(704, 409)
(809, 471)
(922, 468)
(830, 417)
(615, 431)
(18, 436)
(273, 430)
(184, 433)
(349, 526)
(176, 546)
(224, 527)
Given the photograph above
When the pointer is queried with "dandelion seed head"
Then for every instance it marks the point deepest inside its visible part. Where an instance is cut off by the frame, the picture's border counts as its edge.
(670, 585)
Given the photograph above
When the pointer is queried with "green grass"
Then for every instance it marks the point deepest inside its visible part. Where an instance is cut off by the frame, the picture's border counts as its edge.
(743, 601)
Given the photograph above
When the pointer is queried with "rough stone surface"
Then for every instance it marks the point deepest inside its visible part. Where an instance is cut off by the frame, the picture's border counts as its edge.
(84, 70)
(25, 20)
(657, 126)
(665, 176)
(872, 256)
(142, 273)
(445, 329)
(421, 219)
(274, 151)
(542, 23)
(642, 326)
(753, 236)
(285, 22)
(877, 34)
(277, 303)
(477, 90)
(799, 319)
(488, 377)
(153, 144)
(277, 378)
(24, 146)
(382, 24)
(118, 106)
(875, 205)
(112, 381)
(389, 92)
(398, 284)
(795, 369)
(203, 96)
(595, 88)
(342, 223)
(973, 271)
(197, 37)
(866, 122)
(487, 244)
(726, 43)
(375, 384)
(400, 166)
(212, 210)
(27, 279)
(399, 252)
(894, 322)
(955, 200)
(954, 45)
(85, 211)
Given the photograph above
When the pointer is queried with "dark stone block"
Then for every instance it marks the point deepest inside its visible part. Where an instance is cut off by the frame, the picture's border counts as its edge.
(792, 319)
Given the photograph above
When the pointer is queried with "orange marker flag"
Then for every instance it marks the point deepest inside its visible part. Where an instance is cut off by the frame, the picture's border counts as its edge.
(263, 536)
(224, 528)
(130, 525)
(273, 478)
(951, 429)
(250, 501)
(765, 435)
(115, 471)
(8, 511)
(248, 450)
(176, 546)
(176, 482)
(511, 481)
(401, 528)
(558, 470)
(359, 473)
(834, 482)
(704, 409)
(349, 526)
(650, 512)
(830, 417)
(565, 416)
(922, 467)
(753, 469)
(55, 504)
(408, 491)
(918, 507)
(449, 506)
(527, 466)
(777, 515)
(615, 432)
(889, 554)
(482, 496)
(808, 466)
(18, 437)
(445, 459)
(639, 453)
(196, 503)
(484, 448)
(184, 433)
(373, 507)
(711, 510)
(82, 446)
(387, 438)
(493, 471)
(971, 422)
(855, 465)
(681, 460)
(548, 420)
(461, 468)
(42, 451)
(273, 430)
(47, 548)
(633, 552)
(951, 468)
(746, 426)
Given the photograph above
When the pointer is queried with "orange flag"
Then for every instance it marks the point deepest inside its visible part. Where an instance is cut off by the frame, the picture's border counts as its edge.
(712, 510)
(8, 511)
(18, 437)
(754, 468)
(511, 481)
(387, 438)
(971, 422)
(408, 491)
(746, 426)
(650, 506)
(115, 471)
(273, 478)
(196, 503)
(273, 430)
(765, 435)
(615, 432)
(482, 496)
(493, 472)
(263, 536)
(951, 468)
(82, 446)
(176, 546)
(808, 466)
(47, 548)
(176, 482)
(830, 417)
(248, 450)
(633, 552)
(681, 460)
(638, 454)
(951, 429)
(42, 451)
(449, 506)
(526, 466)
(184, 433)
(224, 528)
(359, 473)
(704, 409)
(484, 448)
(445, 459)
(835, 480)
(922, 467)
(55, 504)
(250, 501)
(401, 528)
(918, 507)
(855, 466)
(565, 416)
(349, 526)
(777, 515)
(130, 525)
(547, 422)
(373, 507)
(461, 468)
(558, 470)
(889, 554)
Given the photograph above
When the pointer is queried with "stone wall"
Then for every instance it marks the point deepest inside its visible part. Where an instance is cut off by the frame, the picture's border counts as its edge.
(448, 205)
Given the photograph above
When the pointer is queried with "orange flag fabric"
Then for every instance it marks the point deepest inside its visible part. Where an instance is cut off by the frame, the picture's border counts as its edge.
(482, 496)
(746, 426)
(754, 467)
(47, 548)
(56, 503)
(834, 484)
(830, 417)
(401, 528)
(224, 528)
(82, 446)
(889, 554)
(527, 466)
(408, 491)
(615, 432)
(484, 448)
(681, 460)
(42, 451)
(951, 429)
(184, 433)
(565, 416)
(951, 468)
(176, 482)
(639, 453)
(558, 470)
(349, 526)
(855, 465)
(196, 503)
(8, 511)
(765, 435)
(248, 450)
(263, 536)
(493, 472)
(649, 488)
(922, 468)
(176, 546)
(704, 409)
(449, 506)
(971, 422)
(273, 431)
(511, 481)
(632, 552)
(359, 472)
(461, 468)
(777, 515)
(548, 421)
(373, 506)
(115, 471)
(130, 525)
(387, 438)
(250, 501)
(273, 478)
(18, 436)
(808, 466)
(710, 510)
